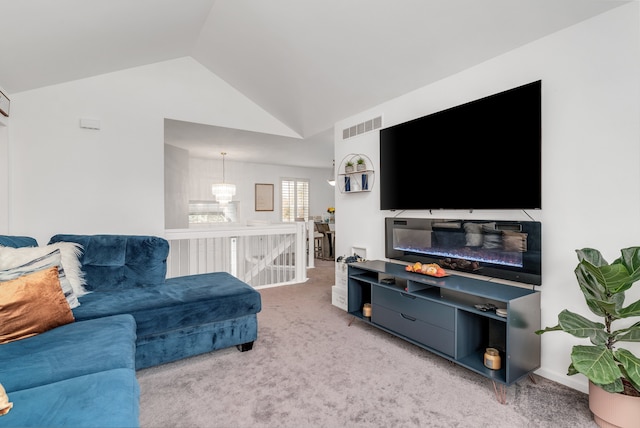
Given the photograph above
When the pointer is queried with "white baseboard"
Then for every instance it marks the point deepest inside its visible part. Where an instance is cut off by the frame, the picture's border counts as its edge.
(577, 382)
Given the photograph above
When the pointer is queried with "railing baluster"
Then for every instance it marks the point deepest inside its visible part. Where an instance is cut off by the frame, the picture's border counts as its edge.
(263, 256)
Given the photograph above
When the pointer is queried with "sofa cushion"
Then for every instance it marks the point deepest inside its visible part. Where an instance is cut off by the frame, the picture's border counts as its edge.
(105, 399)
(17, 241)
(68, 351)
(32, 304)
(115, 262)
(181, 302)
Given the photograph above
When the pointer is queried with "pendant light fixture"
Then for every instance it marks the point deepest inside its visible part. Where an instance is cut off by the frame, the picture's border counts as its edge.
(332, 179)
(223, 192)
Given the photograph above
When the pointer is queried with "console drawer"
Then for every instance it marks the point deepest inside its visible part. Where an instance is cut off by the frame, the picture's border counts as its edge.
(412, 328)
(415, 307)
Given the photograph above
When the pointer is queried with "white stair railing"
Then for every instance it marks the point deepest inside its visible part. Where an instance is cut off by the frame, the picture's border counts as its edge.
(262, 256)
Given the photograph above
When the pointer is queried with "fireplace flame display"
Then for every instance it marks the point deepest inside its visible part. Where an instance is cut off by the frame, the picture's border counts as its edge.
(504, 249)
(456, 257)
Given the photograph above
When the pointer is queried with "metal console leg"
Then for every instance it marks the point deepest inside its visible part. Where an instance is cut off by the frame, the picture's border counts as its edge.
(501, 392)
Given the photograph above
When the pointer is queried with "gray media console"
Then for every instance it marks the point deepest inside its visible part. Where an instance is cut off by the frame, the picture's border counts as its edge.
(439, 314)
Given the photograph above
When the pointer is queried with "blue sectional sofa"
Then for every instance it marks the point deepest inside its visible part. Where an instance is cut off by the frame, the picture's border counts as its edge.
(132, 318)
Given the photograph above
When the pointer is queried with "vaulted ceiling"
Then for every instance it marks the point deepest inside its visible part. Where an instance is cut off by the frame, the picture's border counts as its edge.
(308, 63)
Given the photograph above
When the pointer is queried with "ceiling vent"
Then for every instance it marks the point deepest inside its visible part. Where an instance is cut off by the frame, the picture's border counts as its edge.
(361, 128)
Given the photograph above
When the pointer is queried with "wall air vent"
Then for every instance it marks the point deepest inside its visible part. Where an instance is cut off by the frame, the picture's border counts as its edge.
(361, 128)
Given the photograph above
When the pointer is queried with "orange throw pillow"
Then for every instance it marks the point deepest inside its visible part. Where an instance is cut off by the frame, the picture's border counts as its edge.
(32, 304)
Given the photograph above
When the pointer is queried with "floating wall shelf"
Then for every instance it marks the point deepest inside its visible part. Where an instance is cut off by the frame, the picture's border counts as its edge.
(356, 177)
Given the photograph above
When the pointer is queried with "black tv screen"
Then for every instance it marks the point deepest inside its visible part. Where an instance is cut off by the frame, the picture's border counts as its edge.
(485, 154)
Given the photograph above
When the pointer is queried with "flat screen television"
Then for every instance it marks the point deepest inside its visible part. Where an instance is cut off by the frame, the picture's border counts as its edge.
(485, 154)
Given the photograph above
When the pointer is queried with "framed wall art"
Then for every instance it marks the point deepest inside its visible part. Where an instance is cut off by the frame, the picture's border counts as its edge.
(264, 197)
(4, 104)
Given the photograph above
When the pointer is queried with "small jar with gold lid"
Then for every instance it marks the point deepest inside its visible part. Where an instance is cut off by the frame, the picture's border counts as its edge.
(366, 310)
(492, 359)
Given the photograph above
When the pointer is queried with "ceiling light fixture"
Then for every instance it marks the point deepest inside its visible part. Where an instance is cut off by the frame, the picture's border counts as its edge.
(223, 192)
(332, 179)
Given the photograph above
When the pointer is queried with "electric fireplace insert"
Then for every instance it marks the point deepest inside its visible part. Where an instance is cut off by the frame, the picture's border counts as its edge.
(501, 249)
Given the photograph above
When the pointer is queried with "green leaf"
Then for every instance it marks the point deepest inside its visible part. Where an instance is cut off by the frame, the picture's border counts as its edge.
(631, 366)
(600, 301)
(591, 255)
(614, 278)
(629, 334)
(589, 284)
(579, 326)
(630, 258)
(613, 387)
(596, 363)
(633, 310)
(556, 328)
(610, 307)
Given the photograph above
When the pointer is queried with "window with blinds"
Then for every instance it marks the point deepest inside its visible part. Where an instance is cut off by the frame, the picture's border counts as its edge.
(295, 199)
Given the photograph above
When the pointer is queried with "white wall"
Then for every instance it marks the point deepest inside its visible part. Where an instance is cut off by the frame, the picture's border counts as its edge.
(4, 173)
(590, 156)
(176, 187)
(71, 180)
(204, 172)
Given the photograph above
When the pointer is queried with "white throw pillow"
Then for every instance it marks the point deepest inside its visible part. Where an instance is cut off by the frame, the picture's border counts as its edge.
(69, 253)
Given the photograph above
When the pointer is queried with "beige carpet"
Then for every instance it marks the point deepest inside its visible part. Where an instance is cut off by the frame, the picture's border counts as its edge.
(310, 368)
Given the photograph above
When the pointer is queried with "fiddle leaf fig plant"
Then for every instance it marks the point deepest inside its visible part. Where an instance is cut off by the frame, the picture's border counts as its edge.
(603, 285)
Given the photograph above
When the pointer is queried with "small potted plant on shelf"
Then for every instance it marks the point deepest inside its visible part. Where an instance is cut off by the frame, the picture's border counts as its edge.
(613, 372)
(361, 165)
(348, 167)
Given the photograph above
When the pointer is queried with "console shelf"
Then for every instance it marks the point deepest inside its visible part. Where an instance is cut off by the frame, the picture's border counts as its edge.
(438, 314)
